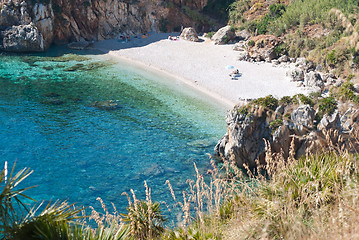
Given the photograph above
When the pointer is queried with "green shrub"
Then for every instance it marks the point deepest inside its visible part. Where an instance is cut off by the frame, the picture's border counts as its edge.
(251, 43)
(286, 100)
(346, 91)
(210, 34)
(281, 49)
(304, 99)
(268, 102)
(327, 106)
(331, 58)
(243, 110)
(274, 125)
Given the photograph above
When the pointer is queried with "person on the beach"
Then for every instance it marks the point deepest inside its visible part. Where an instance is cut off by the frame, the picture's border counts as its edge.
(235, 72)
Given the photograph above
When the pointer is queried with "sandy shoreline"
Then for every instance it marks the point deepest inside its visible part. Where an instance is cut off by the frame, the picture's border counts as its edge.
(203, 66)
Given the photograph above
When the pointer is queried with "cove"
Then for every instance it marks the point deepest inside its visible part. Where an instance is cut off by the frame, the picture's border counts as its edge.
(92, 127)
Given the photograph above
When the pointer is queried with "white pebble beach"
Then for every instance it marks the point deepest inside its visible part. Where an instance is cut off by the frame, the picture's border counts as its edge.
(204, 66)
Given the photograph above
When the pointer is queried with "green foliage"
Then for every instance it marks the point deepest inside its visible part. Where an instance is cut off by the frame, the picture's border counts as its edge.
(304, 99)
(281, 49)
(163, 24)
(210, 34)
(355, 57)
(194, 15)
(12, 209)
(331, 58)
(218, 8)
(146, 219)
(268, 102)
(286, 100)
(326, 106)
(301, 13)
(275, 11)
(237, 9)
(243, 110)
(346, 91)
(251, 43)
(54, 222)
(274, 125)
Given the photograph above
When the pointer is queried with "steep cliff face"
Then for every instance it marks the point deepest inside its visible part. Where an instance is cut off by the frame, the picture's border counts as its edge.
(287, 130)
(64, 21)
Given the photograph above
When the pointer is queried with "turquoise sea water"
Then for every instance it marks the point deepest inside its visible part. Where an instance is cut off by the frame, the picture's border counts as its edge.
(50, 121)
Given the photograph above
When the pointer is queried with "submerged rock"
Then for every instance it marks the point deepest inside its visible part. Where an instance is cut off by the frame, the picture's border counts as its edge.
(53, 101)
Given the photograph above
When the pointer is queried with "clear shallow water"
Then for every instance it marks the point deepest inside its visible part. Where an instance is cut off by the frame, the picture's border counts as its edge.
(78, 152)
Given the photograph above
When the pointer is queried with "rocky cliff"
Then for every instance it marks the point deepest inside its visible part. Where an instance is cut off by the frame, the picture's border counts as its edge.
(292, 125)
(33, 25)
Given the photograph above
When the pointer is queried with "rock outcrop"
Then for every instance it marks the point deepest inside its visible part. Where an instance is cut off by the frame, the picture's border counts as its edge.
(189, 34)
(223, 35)
(249, 127)
(22, 38)
(262, 47)
(64, 21)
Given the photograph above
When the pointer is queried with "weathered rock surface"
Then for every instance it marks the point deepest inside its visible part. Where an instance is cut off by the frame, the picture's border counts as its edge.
(22, 38)
(247, 131)
(223, 35)
(242, 35)
(64, 21)
(189, 34)
(295, 74)
(263, 47)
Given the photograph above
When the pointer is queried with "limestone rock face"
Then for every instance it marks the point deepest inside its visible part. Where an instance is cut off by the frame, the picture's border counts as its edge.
(64, 21)
(247, 131)
(303, 116)
(313, 79)
(22, 38)
(223, 35)
(244, 138)
(189, 34)
(44, 21)
(295, 74)
(263, 47)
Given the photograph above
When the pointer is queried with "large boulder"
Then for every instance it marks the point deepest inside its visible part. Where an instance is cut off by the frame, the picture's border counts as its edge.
(295, 74)
(303, 117)
(330, 122)
(262, 47)
(242, 35)
(223, 35)
(189, 34)
(314, 80)
(22, 38)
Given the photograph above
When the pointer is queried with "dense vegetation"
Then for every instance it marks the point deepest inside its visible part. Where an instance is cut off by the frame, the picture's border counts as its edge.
(323, 31)
(311, 198)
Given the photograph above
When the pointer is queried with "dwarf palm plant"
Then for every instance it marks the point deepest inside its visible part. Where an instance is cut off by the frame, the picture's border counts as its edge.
(12, 208)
